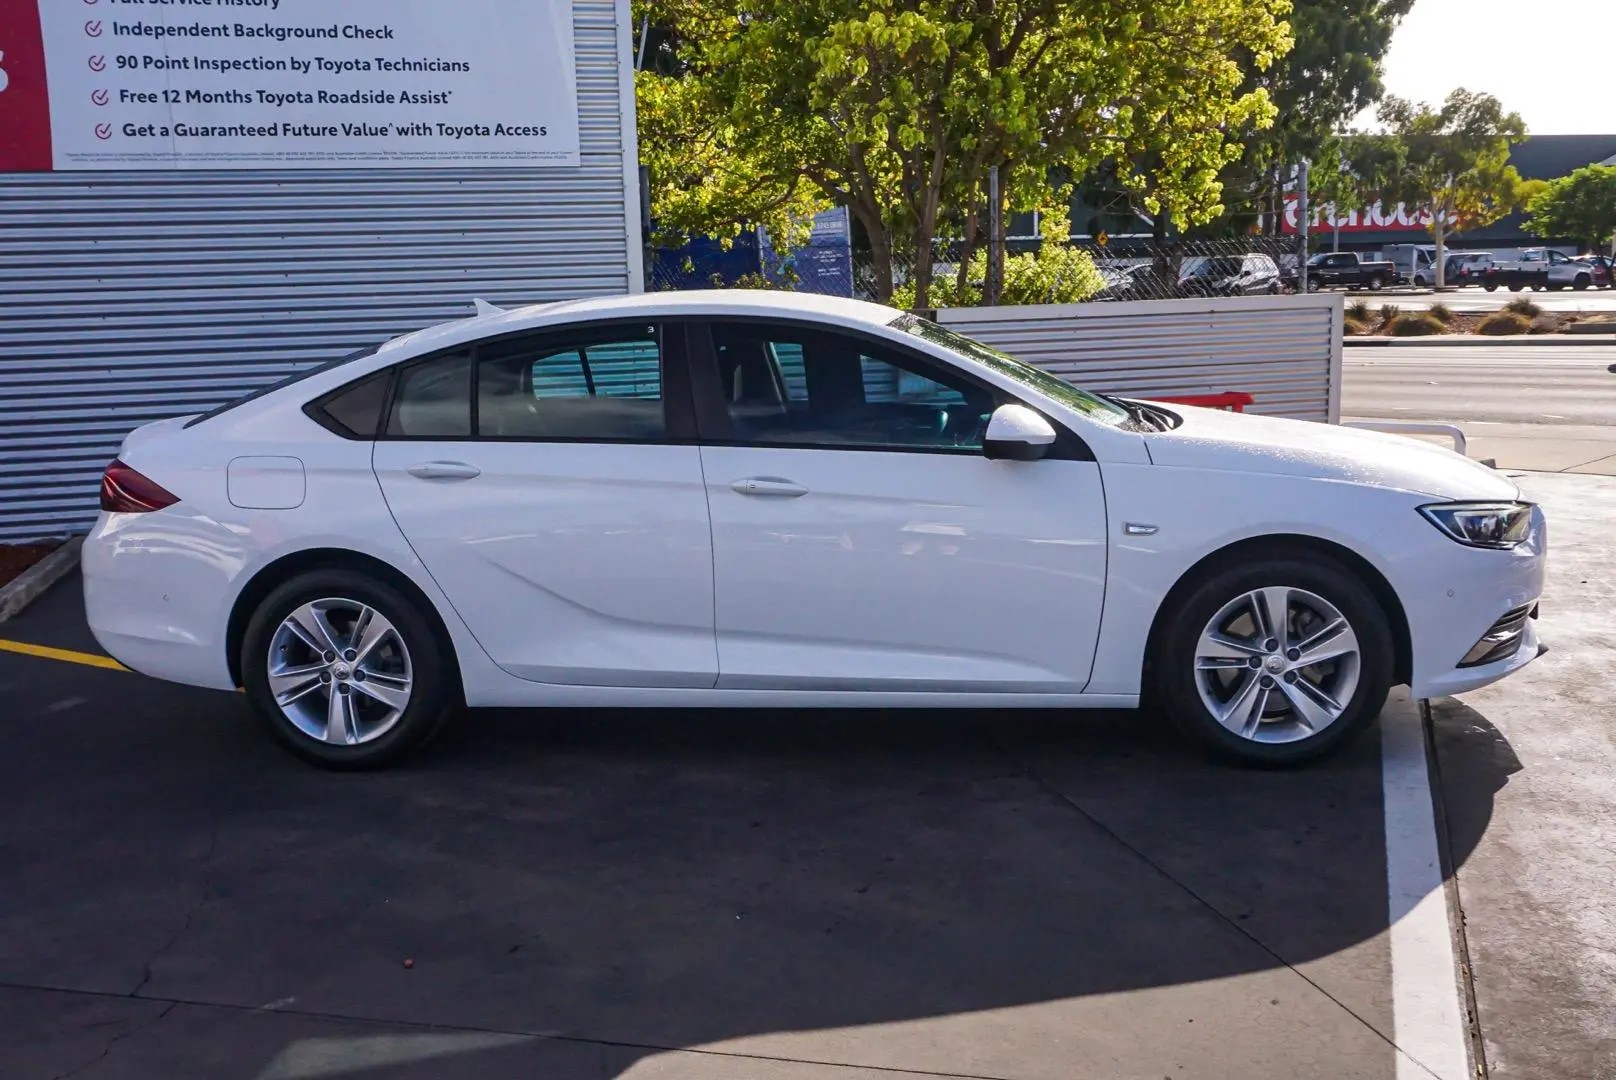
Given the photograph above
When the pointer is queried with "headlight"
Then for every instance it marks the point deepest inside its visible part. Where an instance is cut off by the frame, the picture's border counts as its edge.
(1484, 525)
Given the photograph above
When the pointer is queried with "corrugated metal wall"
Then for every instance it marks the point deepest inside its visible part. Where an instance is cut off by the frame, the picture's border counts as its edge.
(128, 297)
(1285, 350)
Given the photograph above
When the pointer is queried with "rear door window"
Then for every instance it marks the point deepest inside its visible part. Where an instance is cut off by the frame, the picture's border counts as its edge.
(433, 400)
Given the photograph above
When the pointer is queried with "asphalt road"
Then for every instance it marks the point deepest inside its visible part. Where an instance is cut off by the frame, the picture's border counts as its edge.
(1523, 384)
(1546, 408)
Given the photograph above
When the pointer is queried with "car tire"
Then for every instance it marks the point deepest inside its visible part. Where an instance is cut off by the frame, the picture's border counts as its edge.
(1582, 282)
(1490, 287)
(1313, 286)
(1258, 730)
(1375, 283)
(1515, 287)
(388, 691)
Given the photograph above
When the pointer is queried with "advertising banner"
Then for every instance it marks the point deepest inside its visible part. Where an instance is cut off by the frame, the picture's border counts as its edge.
(286, 84)
(1376, 218)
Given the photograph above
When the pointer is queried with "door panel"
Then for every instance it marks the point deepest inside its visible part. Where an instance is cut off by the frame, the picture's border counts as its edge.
(572, 561)
(905, 571)
(862, 542)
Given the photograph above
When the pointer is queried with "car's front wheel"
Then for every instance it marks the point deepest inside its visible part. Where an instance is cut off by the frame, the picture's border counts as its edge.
(344, 670)
(1277, 660)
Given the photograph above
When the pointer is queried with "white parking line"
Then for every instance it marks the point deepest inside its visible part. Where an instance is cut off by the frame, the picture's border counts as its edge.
(1427, 1018)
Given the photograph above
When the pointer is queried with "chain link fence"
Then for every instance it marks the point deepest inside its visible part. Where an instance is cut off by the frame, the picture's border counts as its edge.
(1125, 268)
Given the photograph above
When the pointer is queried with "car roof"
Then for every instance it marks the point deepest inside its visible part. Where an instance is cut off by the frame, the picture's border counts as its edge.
(716, 303)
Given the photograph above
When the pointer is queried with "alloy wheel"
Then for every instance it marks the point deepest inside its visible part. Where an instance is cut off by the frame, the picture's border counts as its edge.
(1277, 665)
(340, 671)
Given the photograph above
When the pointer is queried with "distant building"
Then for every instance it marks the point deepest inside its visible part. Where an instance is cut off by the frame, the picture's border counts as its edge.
(1543, 157)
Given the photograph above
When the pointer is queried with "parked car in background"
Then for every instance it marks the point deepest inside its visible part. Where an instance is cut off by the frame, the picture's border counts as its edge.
(1601, 267)
(1416, 263)
(1467, 268)
(1349, 269)
(1232, 275)
(1539, 268)
(752, 498)
(1141, 282)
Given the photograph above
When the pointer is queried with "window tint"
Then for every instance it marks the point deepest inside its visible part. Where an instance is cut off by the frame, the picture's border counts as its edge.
(804, 388)
(433, 400)
(543, 387)
(356, 410)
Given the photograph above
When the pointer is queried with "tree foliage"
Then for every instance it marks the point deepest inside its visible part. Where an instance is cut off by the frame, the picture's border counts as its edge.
(1056, 273)
(1452, 161)
(899, 108)
(1331, 75)
(1581, 206)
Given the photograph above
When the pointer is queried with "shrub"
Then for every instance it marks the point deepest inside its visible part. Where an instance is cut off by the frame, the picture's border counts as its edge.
(1441, 312)
(1389, 313)
(1505, 322)
(1355, 327)
(1415, 324)
(1054, 274)
(1359, 309)
(1522, 305)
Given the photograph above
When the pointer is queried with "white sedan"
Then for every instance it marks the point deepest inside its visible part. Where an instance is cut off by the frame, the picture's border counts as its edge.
(755, 499)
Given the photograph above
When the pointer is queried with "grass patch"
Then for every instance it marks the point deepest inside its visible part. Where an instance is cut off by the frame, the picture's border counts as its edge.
(1522, 305)
(1415, 324)
(1441, 312)
(1507, 321)
(1354, 327)
(1389, 314)
(1359, 309)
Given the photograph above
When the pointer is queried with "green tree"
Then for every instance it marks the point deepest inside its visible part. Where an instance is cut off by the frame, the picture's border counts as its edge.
(1452, 162)
(1581, 206)
(1331, 75)
(899, 108)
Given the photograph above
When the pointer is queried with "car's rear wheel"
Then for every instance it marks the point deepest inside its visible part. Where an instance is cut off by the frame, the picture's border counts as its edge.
(1582, 282)
(345, 671)
(1278, 660)
(1375, 283)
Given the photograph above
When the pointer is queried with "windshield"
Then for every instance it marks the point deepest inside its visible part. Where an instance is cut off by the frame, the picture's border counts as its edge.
(1318, 260)
(1035, 379)
(298, 377)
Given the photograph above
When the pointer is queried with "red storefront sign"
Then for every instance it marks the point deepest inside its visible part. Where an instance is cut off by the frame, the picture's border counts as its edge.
(1376, 218)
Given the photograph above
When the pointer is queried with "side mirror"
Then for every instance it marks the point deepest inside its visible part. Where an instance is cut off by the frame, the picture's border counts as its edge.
(1016, 433)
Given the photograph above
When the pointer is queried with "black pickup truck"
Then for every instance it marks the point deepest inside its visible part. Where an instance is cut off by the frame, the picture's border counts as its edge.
(1348, 269)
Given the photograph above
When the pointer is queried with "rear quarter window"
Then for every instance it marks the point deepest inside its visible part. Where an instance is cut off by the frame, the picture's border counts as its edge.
(354, 411)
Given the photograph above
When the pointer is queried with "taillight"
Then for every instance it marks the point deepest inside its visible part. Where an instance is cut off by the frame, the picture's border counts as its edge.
(125, 491)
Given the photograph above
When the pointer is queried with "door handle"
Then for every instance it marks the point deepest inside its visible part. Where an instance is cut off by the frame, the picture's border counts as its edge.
(444, 470)
(769, 486)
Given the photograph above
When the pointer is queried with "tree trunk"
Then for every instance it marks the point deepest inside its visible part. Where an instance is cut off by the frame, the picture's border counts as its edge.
(1439, 231)
(881, 262)
(967, 250)
(923, 262)
(1165, 271)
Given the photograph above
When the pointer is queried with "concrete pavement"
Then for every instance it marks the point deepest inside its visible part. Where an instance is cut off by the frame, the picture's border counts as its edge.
(1525, 407)
(1528, 775)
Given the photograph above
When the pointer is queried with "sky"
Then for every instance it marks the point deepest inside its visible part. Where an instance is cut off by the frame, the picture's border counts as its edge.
(1541, 58)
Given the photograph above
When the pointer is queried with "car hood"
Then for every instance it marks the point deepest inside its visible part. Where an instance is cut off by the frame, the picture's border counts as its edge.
(1239, 442)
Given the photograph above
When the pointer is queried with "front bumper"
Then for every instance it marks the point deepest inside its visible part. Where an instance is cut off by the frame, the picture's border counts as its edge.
(1473, 594)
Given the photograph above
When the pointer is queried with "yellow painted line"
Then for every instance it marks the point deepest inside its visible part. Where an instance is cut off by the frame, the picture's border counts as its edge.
(67, 656)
